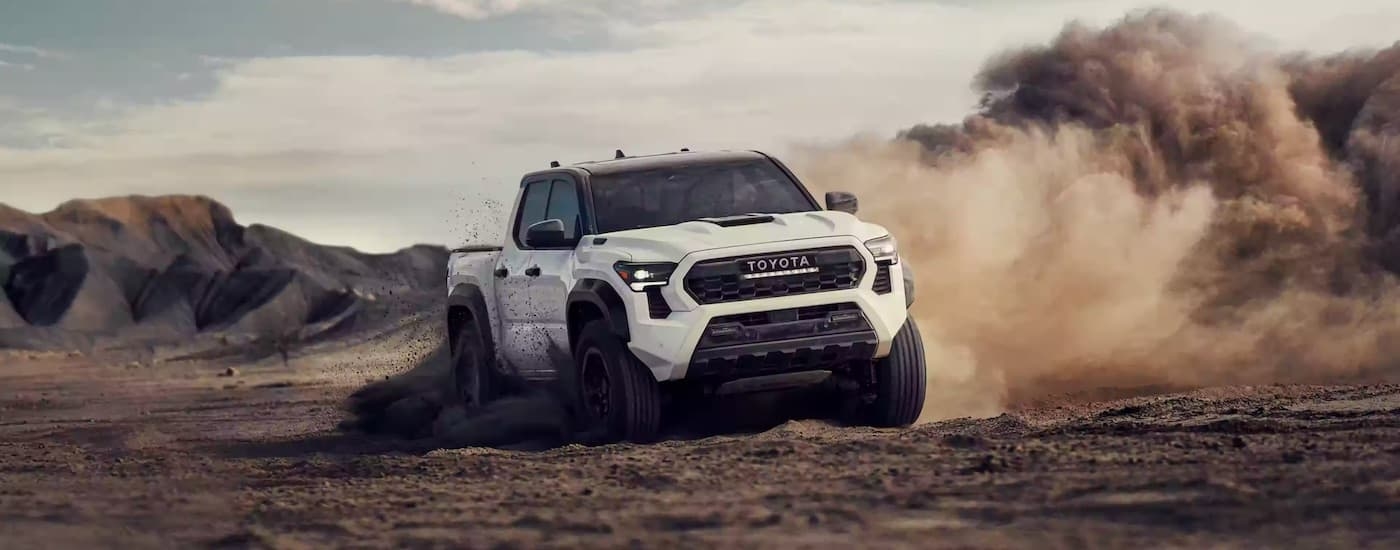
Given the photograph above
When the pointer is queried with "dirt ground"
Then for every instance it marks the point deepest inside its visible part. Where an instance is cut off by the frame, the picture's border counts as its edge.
(132, 455)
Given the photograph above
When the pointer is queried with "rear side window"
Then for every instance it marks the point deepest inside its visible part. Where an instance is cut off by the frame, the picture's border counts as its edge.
(532, 207)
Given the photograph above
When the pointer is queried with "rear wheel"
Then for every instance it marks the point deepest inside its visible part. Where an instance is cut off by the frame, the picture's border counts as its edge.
(472, 375)
(617, 395)
(901, 379)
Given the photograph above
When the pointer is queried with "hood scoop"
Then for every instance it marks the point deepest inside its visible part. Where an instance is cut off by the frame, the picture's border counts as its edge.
(735, 221)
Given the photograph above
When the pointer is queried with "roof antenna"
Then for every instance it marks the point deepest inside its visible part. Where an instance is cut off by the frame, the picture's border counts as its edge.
(553, 164)
(619, 154)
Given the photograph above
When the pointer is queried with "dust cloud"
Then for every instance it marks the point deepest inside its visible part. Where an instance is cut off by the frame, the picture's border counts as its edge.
(1156, 205)
(419, 405)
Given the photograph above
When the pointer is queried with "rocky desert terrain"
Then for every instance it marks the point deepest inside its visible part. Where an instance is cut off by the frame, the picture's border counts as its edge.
(97, 454)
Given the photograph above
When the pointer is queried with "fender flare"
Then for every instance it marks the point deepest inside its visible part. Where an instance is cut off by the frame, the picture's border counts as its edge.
(601, 295)
(469, 296)
(909, 280)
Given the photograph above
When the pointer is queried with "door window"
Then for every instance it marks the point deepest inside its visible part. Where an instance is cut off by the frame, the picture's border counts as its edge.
(532, 208)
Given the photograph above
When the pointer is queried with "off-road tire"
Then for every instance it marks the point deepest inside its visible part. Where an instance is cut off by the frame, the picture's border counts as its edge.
(901, 380)
(633, 399)
(474, 380)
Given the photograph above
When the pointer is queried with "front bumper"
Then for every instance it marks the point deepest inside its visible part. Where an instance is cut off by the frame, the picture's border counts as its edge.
(683, 345)
(825, 337)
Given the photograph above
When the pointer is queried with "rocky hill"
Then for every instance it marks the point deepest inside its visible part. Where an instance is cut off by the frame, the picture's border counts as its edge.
(152, 270)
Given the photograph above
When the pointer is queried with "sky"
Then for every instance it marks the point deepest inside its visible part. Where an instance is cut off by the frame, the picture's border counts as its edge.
(384, 123)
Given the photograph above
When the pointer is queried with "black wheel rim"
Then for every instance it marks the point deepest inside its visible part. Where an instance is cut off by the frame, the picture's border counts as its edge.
(597, 394)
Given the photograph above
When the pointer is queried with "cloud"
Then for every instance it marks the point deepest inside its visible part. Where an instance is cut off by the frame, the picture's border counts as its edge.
(753, 74)
(21, 66)
(31, 51)
(470, 9)
(25, 52)
(477, 10)
(712, 81)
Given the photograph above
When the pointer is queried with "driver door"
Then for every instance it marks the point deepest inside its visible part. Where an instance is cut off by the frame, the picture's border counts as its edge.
(514, 301)
(550, 288)
(539, 336)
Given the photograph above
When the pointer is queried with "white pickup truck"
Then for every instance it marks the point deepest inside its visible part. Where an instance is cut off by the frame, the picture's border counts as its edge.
(635, 278)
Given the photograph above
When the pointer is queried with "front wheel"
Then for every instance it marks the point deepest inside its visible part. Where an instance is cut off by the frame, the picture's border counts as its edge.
(618, 396)
(901, 379)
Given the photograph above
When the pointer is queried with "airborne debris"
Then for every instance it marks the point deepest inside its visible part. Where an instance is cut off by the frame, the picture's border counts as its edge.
(1146, 208)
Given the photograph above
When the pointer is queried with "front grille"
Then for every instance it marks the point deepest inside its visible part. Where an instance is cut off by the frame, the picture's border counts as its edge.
(722, 280)
(882, 279)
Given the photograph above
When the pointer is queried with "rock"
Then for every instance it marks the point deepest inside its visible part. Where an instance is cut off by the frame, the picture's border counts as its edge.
(229, 372)
(962, 441)
(989, 464)
(42, 288)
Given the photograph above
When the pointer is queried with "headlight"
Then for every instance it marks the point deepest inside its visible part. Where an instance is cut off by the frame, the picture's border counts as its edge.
(883, 249)
(641, 276)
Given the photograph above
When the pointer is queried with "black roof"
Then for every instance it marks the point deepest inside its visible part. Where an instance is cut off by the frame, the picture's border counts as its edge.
(663, 160)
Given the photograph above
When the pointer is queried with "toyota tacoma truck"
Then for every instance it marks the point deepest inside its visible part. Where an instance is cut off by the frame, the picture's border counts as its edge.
(634, 278)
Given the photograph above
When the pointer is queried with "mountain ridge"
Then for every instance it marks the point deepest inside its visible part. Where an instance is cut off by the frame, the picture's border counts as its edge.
(153, 269)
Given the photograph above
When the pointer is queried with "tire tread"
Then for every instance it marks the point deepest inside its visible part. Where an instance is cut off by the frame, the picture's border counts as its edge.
(644, 400)
(641, 419)
(902, 380)
(469, 329)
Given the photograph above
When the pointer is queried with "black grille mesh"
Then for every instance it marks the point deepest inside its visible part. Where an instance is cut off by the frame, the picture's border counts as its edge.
(882, 279)
(718, 281)
(656, 304)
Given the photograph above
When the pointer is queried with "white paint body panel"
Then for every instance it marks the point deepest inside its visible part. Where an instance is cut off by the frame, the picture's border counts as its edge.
(529, 313)
(666, 345)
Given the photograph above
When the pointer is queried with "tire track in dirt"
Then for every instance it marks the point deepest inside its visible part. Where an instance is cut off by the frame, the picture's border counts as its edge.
(140, 459)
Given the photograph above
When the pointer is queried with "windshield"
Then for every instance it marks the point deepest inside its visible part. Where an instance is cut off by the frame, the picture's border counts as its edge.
(671, 195)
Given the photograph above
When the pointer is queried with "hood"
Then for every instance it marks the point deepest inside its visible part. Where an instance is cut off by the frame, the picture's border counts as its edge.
(671, 243)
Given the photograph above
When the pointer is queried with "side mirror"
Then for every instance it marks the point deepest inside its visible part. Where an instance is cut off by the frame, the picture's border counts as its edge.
(546, 234)
(842, 201)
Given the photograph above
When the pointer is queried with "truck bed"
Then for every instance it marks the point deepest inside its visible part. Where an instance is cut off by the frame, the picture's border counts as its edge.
(473, 265)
